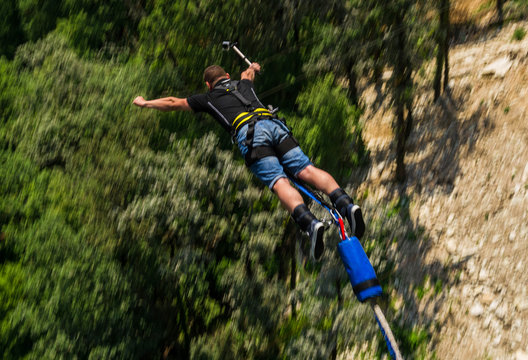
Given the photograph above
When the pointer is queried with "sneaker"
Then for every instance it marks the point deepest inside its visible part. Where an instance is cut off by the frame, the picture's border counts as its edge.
(355, 219)
(316, 233)
(348, 210)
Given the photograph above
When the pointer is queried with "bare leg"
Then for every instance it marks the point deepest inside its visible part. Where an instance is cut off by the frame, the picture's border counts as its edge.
(322, 180)
(287, 194)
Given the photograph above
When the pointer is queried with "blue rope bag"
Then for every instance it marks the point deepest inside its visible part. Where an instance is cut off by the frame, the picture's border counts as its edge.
(359, 269)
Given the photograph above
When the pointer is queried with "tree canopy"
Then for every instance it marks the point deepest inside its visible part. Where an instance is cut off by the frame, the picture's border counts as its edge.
(128, 233)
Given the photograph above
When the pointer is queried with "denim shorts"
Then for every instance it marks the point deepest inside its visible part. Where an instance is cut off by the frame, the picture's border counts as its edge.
(270, 169)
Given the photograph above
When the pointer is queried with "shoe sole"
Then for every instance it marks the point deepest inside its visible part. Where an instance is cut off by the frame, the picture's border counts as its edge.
(317, 248)
(360, 223)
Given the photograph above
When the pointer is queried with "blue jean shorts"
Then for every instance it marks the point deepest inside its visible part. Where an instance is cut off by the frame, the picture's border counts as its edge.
(270, 169)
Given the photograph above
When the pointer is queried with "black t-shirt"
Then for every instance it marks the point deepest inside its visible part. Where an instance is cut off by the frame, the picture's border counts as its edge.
(223, 105)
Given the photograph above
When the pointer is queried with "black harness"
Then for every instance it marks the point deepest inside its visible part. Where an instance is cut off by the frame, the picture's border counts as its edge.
(250, 117)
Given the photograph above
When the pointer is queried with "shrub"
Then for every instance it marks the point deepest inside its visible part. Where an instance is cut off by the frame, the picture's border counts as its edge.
(519, 34)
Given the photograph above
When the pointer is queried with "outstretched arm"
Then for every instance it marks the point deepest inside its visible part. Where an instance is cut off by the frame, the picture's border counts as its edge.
(163, 104)
(249, 74)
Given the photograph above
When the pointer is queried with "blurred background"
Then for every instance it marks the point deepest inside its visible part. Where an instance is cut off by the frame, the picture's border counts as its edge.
(135, 234)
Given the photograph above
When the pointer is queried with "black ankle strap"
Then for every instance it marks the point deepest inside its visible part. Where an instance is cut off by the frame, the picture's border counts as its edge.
(303, 217)
(340, 199)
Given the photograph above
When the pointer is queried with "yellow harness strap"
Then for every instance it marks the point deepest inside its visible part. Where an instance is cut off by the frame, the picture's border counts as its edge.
(245, 116)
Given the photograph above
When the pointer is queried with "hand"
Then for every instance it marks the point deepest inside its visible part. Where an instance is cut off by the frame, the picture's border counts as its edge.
(140, 101)
(255, 66)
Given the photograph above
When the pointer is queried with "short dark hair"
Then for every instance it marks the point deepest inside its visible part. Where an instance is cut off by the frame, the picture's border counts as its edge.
(212, 73)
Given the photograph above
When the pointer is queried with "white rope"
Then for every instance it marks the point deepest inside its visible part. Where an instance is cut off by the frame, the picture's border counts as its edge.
(386, 328)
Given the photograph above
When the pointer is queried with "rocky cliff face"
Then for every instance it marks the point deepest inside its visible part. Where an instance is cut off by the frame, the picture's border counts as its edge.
(467, 187)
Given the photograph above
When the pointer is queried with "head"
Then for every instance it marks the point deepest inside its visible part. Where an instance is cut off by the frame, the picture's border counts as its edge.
(212, 74)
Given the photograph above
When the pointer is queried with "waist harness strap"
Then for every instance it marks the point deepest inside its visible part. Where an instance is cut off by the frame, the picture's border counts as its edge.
(259, 152)
(243, 117)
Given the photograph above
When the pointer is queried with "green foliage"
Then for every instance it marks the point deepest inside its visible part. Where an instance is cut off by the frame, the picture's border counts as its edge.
(519, 34)
(38, 17)
(12, 279)
(438, 286)
(329, 129)
(8, 92)
(413, 341)
(110, 217)
(21, 189)
(94, 25)
(11, 34)
(63, 94)
(521, 3)
(73, 289)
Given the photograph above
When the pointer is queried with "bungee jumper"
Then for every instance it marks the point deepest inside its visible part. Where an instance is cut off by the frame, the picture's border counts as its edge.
(267, 145)
(275, 157)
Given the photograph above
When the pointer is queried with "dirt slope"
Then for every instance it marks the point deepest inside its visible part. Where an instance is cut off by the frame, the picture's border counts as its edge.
(467, 166)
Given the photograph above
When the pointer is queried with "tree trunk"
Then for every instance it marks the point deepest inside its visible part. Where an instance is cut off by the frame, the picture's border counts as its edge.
(402, 77)
(446, 58)
(378, 65)
(293, 269)
(409, 121)
(285, 247)
(183, 323)
(443, 50)
(400, 144)
(437, 82)
(500, 12)
(445, 21)
(352, 79)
